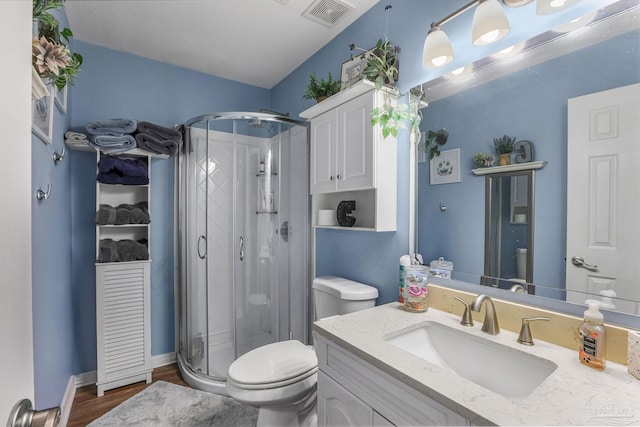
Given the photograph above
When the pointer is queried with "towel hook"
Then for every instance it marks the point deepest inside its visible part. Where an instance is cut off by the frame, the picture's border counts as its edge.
(58, 157)
(41, 195)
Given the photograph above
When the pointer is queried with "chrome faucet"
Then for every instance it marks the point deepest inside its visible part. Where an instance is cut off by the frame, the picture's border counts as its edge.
(490, 323)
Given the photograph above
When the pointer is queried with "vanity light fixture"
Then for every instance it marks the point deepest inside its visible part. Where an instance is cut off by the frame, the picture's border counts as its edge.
(576, 24)
(490, 24)
(546, 7)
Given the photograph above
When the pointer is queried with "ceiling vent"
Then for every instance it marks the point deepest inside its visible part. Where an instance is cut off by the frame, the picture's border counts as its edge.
(327, 12)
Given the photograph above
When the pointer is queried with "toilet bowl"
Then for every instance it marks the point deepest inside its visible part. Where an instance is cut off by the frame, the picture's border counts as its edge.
(280, 378)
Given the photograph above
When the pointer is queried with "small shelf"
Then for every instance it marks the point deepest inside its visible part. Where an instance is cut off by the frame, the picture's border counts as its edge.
(510, 168)
(78, 146)
(123, 185)
(339, 227)
(264, 174)
(146, 261)
(267, 212)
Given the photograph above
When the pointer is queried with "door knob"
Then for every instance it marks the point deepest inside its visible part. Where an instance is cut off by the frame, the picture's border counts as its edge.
(579, 262)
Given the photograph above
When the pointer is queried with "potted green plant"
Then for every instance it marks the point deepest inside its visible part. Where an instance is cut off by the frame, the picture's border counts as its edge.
(483, 160)
(321, 89)
(434, 140)
(382, 64)
(504, 147)
(50, 56)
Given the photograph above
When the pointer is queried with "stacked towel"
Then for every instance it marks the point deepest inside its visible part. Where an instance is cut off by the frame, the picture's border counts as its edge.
(76, 139)
(158, 139)
(112, 136)
(122, 250)
(114, 170)
(123, 214)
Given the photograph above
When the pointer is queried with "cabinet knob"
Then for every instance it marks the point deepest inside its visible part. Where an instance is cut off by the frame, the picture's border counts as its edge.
(331, 178)
(338, 177)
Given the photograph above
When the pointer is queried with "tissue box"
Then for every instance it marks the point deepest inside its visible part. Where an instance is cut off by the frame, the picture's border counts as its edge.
(634, 354)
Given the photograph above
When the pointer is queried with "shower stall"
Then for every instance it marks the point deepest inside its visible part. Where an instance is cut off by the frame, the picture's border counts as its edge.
(243, 240)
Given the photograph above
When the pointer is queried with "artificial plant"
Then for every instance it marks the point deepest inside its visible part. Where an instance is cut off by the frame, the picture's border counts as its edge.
(321, 88)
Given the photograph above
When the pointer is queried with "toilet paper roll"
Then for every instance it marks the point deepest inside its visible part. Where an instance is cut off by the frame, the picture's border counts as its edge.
(327, 217)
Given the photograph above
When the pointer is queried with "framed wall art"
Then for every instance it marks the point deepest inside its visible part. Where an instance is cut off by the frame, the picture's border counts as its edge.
(445, 168)
(353, 68)
(42, 116)
(61, 99)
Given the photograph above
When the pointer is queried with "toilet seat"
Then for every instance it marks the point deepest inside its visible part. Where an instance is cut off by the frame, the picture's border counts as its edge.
(273, 365)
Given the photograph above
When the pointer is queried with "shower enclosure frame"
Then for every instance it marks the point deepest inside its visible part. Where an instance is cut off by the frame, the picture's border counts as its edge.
(204, 381)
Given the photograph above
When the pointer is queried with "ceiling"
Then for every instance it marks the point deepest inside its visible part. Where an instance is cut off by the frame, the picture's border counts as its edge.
(257, 42)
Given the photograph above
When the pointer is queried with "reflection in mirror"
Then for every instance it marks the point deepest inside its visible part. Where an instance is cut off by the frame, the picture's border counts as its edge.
(508, 250)
(528, 101)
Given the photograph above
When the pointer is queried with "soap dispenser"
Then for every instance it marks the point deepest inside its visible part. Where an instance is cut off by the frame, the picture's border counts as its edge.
(592, 338)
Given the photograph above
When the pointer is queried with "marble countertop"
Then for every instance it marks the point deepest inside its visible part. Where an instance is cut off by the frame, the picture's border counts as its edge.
(573, 394)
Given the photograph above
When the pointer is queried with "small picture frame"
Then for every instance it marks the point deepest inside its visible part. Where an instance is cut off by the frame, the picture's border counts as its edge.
(42, 117)
(353, 68)
(445, 168)
(61, 99)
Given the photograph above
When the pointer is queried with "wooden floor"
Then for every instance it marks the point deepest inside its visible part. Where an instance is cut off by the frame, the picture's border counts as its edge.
(87, 406)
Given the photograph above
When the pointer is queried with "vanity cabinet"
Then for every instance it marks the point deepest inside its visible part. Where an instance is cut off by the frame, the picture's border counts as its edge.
(351, 391)
(350, 160)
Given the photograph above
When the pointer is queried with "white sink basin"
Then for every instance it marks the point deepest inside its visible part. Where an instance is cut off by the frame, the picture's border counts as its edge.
(504, 370)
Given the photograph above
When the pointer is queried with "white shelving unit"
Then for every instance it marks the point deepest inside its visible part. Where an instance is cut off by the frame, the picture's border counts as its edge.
(351, 161)
(123, 293)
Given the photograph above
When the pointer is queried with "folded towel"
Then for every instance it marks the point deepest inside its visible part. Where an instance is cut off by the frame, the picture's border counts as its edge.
(114, 127)
(108, 251)
(75, 136)
(130, 250)
(111, 144)
(149, 143)
(159, 132)
(117, 178)
(130, 167)
(122, 250)
(106, 215)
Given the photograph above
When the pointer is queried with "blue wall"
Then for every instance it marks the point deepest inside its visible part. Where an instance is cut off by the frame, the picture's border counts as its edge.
(115, 84)
(531, 104)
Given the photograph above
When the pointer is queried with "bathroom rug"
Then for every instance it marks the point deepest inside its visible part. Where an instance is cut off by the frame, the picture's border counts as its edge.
(164, 404)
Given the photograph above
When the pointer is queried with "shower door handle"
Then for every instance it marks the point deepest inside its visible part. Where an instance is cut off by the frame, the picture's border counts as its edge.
(202, 255)
(241, 248)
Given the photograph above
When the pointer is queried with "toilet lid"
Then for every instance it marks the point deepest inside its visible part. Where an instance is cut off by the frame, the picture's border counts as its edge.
(273, 363)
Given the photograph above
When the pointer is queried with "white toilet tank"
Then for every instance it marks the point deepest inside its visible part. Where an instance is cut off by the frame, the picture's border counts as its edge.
(336, 295)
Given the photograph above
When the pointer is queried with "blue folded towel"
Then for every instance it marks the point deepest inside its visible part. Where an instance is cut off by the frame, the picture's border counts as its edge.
(118, 178)
(111, 144)
(131, 167)
(114, 127)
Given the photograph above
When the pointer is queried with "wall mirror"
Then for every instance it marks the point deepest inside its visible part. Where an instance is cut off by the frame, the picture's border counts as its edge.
(525, 96)
(508, 242)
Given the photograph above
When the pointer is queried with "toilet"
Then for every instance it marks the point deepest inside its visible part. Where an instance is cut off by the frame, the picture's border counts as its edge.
(280, 378)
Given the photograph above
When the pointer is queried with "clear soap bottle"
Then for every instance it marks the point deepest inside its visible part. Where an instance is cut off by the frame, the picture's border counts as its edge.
(592, 350)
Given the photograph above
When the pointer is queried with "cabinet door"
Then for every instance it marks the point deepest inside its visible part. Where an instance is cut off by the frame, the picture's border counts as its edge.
(323, 153)
(339, 407)
(355, 144)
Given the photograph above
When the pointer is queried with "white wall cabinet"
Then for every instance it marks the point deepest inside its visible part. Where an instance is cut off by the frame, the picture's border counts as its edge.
(123, 293)
(350, 160)
(354, 392)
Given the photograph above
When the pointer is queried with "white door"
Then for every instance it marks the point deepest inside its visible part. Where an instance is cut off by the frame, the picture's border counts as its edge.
(603, 198)
(323, 153)
(16, 357)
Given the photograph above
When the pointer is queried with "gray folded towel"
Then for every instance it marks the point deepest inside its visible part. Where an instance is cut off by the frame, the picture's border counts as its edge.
(123, 214)
(130, 250)
(149, 143)
(110, 144)
(108, 251)
(114, 127)
(106, 215)
(159, 132)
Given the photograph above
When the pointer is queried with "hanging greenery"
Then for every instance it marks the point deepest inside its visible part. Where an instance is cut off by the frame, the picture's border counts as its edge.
(50, 55)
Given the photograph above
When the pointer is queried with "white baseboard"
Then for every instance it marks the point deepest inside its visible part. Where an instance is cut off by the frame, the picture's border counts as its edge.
(88, 378)
(67, 401)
